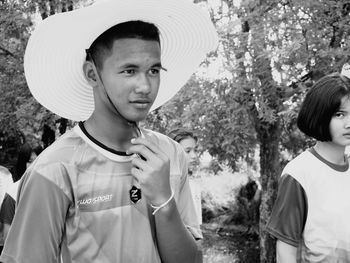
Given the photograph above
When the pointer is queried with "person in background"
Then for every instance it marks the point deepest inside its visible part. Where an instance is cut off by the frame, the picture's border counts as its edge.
(310, 217)
(8, 205)
(5, 181)
(188, 141)
(48, 136)
(23, 158)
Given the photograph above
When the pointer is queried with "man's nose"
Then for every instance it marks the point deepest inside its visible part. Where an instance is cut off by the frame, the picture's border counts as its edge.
(144, 84)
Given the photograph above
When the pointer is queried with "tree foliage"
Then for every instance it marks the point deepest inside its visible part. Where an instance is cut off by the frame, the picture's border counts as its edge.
(270, 54)
(19, 111)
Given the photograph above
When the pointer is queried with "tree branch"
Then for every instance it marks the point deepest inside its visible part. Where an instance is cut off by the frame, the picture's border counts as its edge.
(7, 52)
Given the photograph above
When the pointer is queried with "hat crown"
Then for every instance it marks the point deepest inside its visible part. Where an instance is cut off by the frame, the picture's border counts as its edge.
(55, 53)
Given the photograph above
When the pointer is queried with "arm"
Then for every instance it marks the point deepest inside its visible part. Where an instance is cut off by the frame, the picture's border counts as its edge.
(6, 230)
(285, 253)
(36, 230)
(175, 243)
(7, 212)
(288, 218)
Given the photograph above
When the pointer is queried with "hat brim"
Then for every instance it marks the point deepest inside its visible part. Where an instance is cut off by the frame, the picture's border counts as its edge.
(55, 53)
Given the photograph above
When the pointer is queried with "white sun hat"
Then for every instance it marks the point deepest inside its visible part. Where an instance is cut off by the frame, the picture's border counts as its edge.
(54, 57)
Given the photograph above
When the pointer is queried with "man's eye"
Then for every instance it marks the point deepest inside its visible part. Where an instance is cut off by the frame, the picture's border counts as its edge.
(129, 71)
(155, 71)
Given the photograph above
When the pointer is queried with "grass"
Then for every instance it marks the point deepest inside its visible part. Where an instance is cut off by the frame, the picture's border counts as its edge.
(225, 243)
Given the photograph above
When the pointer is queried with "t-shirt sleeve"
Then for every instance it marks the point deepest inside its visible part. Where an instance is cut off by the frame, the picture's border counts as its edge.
(289, 213)
(7, 210)
(38, 225)
(186, 205)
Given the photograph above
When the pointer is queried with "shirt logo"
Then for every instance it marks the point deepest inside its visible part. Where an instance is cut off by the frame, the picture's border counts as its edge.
(95, 203)
(95, 200)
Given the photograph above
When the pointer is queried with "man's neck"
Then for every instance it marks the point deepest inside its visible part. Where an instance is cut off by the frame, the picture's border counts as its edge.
(115, 133)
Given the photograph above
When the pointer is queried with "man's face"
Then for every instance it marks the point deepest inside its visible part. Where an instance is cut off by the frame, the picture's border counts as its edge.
(131, 76)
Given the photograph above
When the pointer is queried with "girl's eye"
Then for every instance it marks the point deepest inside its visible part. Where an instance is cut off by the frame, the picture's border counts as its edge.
(339, 115)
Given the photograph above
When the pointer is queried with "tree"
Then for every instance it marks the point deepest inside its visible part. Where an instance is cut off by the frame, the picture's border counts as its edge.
(271, 52)
(19, 111)
(13, 35)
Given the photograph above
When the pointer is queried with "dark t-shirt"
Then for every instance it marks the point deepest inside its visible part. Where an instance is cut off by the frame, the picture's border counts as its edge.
(7, 210)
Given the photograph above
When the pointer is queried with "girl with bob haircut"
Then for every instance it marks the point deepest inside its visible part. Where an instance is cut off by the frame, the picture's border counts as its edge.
(310, 218)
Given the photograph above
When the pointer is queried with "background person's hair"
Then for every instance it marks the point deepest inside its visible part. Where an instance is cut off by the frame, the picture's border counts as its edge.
(320, 104)
(180, 134)
(102, 45)
(21, 164)
(38, 149)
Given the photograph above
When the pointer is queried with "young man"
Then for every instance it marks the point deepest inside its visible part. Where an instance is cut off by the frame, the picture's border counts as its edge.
(108, 191)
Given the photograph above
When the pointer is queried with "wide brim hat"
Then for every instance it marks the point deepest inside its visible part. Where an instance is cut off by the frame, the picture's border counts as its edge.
(54, 57)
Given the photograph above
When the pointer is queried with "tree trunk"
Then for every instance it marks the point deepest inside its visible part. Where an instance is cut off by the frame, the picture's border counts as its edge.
(269, 137)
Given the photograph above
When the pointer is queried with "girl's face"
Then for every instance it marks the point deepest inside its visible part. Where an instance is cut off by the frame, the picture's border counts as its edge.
(339, 126)
(190, 146)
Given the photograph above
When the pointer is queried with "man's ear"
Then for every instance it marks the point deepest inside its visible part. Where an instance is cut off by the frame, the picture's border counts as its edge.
(90, 73)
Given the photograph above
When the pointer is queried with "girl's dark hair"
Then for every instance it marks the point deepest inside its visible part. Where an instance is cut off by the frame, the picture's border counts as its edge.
(180, 134)
(320, 104)
(102, 46)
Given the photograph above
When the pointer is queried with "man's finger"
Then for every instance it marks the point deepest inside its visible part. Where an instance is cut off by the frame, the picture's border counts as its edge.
(150, 145)
(138, 163)
(141, 150)
(136, 173)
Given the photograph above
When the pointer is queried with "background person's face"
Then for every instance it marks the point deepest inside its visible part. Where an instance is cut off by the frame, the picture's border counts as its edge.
(131, 76)
(339, 126)
(32, 158)
(190, 146)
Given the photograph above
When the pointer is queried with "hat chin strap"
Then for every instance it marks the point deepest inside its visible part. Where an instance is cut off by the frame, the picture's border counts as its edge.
(129, 122)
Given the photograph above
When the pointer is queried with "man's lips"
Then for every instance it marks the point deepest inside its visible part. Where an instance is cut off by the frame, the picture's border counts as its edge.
(141, 103)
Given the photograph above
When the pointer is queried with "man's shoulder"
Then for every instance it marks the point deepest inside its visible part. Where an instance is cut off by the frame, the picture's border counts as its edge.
(154, 134)
(167, 144)
(62, 150)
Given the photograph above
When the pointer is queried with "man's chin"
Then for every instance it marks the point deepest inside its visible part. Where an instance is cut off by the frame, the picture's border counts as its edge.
(139, 117)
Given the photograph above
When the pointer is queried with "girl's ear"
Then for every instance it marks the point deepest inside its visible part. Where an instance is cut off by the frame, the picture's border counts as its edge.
(90, 73)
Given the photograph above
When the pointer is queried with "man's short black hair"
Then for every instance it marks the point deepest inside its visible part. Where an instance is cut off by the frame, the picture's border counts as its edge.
(320, 104)
(102, 45)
